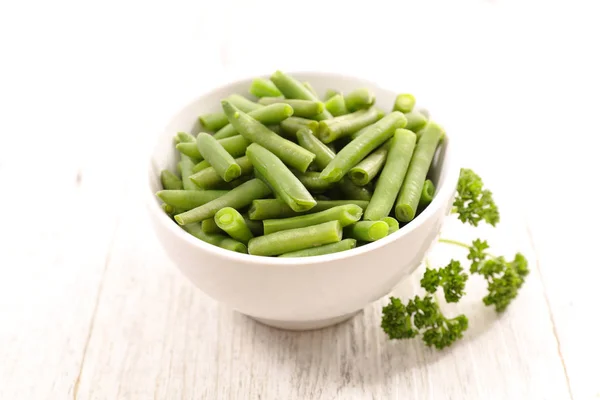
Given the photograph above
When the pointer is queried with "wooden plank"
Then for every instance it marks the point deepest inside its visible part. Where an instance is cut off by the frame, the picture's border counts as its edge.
(156, 336)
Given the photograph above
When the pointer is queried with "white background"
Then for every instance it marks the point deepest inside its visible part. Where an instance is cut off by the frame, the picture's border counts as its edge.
(86, 85)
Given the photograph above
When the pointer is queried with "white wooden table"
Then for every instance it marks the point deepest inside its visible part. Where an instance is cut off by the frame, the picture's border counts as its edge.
(90, 307)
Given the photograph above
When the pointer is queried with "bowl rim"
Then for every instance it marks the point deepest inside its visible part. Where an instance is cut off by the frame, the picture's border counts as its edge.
(444, 191)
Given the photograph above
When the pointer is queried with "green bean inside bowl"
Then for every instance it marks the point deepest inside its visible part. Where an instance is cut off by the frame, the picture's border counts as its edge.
(318, 174)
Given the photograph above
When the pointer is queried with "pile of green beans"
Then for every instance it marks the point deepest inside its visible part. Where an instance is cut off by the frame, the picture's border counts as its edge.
(288, 173)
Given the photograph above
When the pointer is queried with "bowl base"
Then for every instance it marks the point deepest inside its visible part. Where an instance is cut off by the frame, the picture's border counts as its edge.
(304, 325)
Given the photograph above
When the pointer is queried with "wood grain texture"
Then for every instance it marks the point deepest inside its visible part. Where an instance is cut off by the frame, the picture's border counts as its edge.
(156, 336)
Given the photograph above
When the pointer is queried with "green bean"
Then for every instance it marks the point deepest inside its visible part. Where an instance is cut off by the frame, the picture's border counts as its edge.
(296, 239)
(312, 181)
(359, 99)
(323, 154)
(404, 102)
(329, 93)
(351, 191)
(426, 194)
(292, 125)
(186, 171)
(288, 152)
(185, 137)
(393, 225)
(346, 244)
(235, 146)
(215, 239)
(364, 172)
(283, 182)
(213, 121)
(346, 125)
(302, 108)
(415, 121)
(292, 89)
(261, 87)
(238, 197)
(232, 222)
(359, 148)
(200, 166)
(367, 231)
(410, 193)
(268, 115)
(220, 160)
(392, 176)
(256, 227)
(169, 180)
(210, 226)
(209, 178)
(217, 121)
(347, 215)
(167, 208)
(336, 105)
(188, 199)
(275, 208)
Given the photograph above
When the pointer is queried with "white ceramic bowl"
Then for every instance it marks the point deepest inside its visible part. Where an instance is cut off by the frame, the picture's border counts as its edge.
(303, 293)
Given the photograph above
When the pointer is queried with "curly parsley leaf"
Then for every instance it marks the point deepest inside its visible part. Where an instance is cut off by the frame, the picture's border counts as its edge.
(473, 203)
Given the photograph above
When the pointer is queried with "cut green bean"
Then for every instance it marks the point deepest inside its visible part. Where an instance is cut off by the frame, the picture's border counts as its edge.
(392, 223)
(323, 154)
(232, 222)
(367, 231)
(186, 171)
(215, 239)
(410, 193)
(288, 152)
(415, 121)
(218, 157)
(346, 244)
(364, 172)
(235, 146)
(336, 105)
(209, 178)
(210, 226)
(188, 199)
(283, 182)
(256, 227)
(346, 125)
(200, 166)
(292, 125)
(292, 89)
(347, 215)
(392, 176)
(359, 148)
(404, 102)
(312, 181)
(426, 194)
(261, 87)
(275, 208)
(215, 121)
(268, 115)
(167, 208)
(329, 93)
(359, 99)
(354, 192)
(302, 108)
(239, 197)
(296, 239)
(185, 137)
(170, 181)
